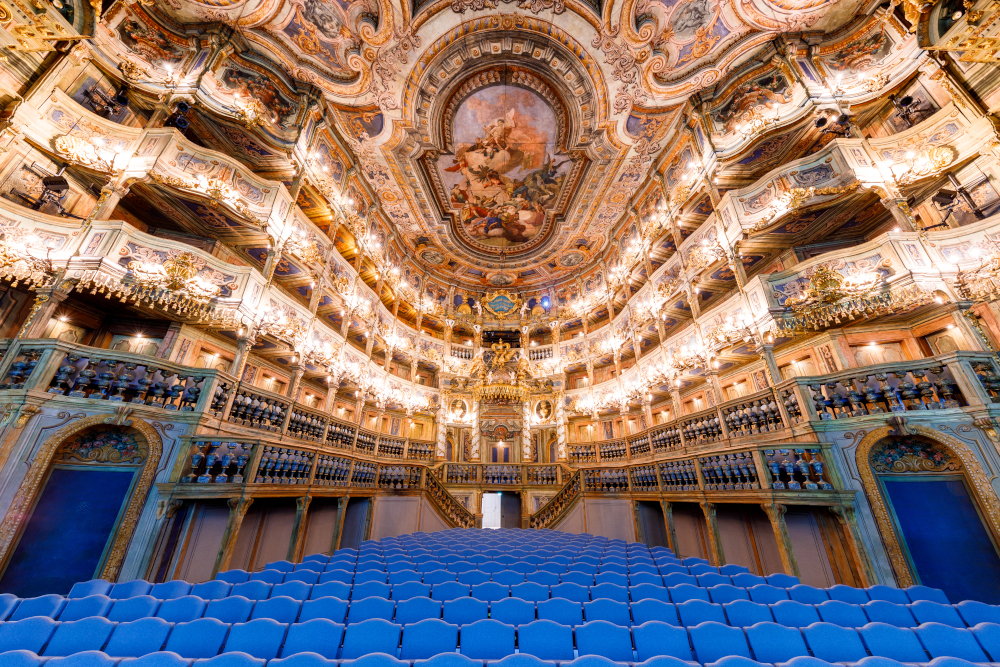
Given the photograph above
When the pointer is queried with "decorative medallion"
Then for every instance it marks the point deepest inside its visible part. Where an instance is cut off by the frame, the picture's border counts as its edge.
(501, 279)
(501, 304)
(568, 260)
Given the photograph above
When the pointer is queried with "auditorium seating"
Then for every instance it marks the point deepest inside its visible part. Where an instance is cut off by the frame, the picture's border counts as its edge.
(509, 598)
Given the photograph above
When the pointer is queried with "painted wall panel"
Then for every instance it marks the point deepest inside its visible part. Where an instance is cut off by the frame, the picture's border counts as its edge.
(807, 545)
(320, 527)
(275, 534)
(395, 516)
(737, 540)
(767, 545)
(572, 522)
(689, 524)
(430, 520)
(203, 546)
(611, 518)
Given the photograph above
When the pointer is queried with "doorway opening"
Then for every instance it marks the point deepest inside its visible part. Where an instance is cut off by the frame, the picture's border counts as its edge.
(491, 510)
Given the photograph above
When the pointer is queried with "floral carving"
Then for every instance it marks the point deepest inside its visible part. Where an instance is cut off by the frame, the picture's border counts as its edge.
(104, 445)
(912, 456)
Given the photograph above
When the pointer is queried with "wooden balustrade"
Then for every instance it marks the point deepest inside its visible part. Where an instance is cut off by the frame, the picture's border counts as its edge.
(895, 387)
(552, 511)
(752, 415)
(702, 427)
(447, 504)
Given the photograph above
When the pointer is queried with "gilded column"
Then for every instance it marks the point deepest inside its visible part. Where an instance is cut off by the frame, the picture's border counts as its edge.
(474, 454)
(526, 431)
(560, 427)
(442, 429)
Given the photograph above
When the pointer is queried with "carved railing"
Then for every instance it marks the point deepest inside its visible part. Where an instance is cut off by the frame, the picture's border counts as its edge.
(613, 450)
(418, 450)
(391, 448)
(644, 478)
(797, 469)
(752, 415)
(259, 409)
(539, 353)
(729, 472)
(452, 510)
(586, 453)
(366, 442)
(400, 477)
(702, 427)
(217, 461)
(606, 480)
(284, 465)
(923, 384)
(551, 512)
(332, 470)
(679, 475)
(666, 438)
(502, 475)
(341, 434)
(460, 352)
(639, 447)
(306, 424)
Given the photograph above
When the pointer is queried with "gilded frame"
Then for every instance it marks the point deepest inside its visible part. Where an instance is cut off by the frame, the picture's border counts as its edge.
(24, 500)
(976, 479)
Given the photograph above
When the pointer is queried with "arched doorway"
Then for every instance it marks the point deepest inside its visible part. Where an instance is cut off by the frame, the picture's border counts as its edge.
(937, 518)
(76, 509)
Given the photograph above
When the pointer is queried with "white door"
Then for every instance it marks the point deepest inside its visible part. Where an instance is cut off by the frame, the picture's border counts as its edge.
(491, 510)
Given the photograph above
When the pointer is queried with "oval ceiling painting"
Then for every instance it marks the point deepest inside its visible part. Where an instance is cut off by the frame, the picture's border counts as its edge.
(505, 174)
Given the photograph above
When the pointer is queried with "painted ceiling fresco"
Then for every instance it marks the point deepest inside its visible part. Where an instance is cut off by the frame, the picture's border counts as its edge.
(498, 143)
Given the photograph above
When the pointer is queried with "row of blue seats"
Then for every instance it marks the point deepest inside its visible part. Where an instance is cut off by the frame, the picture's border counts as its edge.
(258, 590)
(421, 561)
(417, 562)
(492, 640)
(517, 611)
(237, 659)
(514, 573)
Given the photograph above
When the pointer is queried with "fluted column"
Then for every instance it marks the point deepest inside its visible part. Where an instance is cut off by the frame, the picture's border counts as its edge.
(561, 452)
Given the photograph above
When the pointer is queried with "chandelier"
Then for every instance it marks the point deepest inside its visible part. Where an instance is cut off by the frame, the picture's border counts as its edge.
(730, 332)
(14, 256)
(983, 282)
(177, 274)
(303, 247)
(249, 112)
(705, 254)
(827, 287)
(281, 325)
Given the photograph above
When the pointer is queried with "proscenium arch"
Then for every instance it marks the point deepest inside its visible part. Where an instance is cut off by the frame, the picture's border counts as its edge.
(978, 481)
(24, 500)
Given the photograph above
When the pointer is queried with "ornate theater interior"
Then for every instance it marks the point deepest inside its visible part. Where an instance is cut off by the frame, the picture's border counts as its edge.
(281, 278)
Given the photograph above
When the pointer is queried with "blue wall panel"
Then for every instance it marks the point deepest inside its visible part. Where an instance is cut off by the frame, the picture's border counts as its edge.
(948, 543)
(68, 531)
